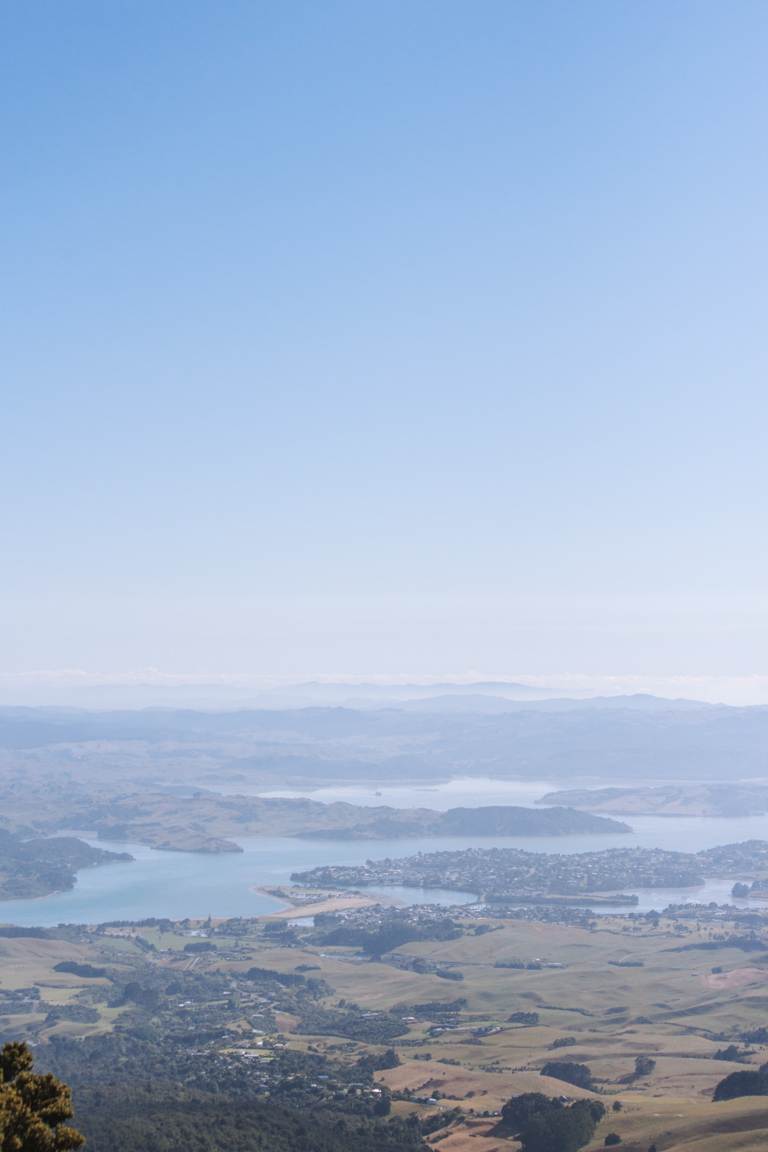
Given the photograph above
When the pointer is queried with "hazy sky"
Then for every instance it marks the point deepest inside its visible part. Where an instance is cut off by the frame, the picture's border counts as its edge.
(417, 336)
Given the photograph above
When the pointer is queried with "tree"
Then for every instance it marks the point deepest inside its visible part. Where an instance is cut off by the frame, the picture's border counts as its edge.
(747, 1083)
(570, 1071)
(560, 1131)
(540, 1135)
(520, 1109)
(33, 1107)
(552, 1128)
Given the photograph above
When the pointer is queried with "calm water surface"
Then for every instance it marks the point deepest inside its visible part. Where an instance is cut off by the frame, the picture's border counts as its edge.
(463, 791)
(179, 884)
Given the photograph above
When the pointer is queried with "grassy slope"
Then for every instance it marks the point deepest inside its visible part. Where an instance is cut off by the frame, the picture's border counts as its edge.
(670, 1009)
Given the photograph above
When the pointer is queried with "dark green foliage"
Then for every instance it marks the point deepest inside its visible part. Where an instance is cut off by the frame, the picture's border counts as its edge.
(135, 993)
(529, 1018)
(374, 1029)
(394, 932)
(438, 1120)
(102, 1066)
(430, 1009)
(150, 1121)
(34, 1109)
(35, 867)
(542, 1124)
(731, 1053)
(612, 1139)
(644, 1065)
(520, 1109)
(561, 1129)
(570, 1071)
(86, 971)
(371, 1063)
(755, 1036)
(743, 1084)
(743, 943)
(79, 1012)
(520, 965)
(286, 979)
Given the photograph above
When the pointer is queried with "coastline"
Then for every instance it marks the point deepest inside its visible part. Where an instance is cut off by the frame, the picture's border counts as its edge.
(316, 903)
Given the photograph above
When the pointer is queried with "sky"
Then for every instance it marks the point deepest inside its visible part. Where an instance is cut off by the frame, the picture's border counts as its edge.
(406, 338)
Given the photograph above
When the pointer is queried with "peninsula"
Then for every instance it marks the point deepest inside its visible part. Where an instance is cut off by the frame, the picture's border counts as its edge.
(39, 866)
(668, 800)
(499, 875)
(203, 821)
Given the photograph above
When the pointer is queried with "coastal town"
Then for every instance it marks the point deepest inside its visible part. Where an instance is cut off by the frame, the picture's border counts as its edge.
(517, 876)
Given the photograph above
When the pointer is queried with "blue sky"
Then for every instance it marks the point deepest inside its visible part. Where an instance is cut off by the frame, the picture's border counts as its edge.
(384, 337)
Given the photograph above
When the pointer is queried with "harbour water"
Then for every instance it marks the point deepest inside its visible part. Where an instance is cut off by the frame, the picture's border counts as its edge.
(180, 884)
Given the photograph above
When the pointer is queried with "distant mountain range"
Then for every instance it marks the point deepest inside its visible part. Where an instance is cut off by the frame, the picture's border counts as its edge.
(233, 695)
(622, 739)
(372, 695)
(488, 703)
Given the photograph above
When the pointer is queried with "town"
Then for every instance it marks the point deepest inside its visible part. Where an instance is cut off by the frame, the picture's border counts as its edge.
(516, 876)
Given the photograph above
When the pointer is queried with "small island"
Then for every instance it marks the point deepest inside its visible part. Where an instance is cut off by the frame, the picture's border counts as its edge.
(197, 842)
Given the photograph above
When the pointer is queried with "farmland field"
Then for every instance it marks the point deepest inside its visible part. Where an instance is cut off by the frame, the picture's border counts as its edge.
(478, 1015)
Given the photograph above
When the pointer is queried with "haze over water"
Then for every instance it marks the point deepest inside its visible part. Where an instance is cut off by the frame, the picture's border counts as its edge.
(181, 884)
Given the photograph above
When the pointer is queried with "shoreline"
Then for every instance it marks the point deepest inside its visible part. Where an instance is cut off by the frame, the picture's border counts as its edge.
(325, 901)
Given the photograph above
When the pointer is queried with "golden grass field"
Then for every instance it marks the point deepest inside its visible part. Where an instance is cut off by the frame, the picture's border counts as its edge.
(673, 1008)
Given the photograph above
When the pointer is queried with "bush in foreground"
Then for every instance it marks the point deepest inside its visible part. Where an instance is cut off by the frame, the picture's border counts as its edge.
(33, 1108)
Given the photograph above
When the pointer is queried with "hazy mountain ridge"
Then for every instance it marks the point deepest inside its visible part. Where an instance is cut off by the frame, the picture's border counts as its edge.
(617, 738)
(670, 800)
